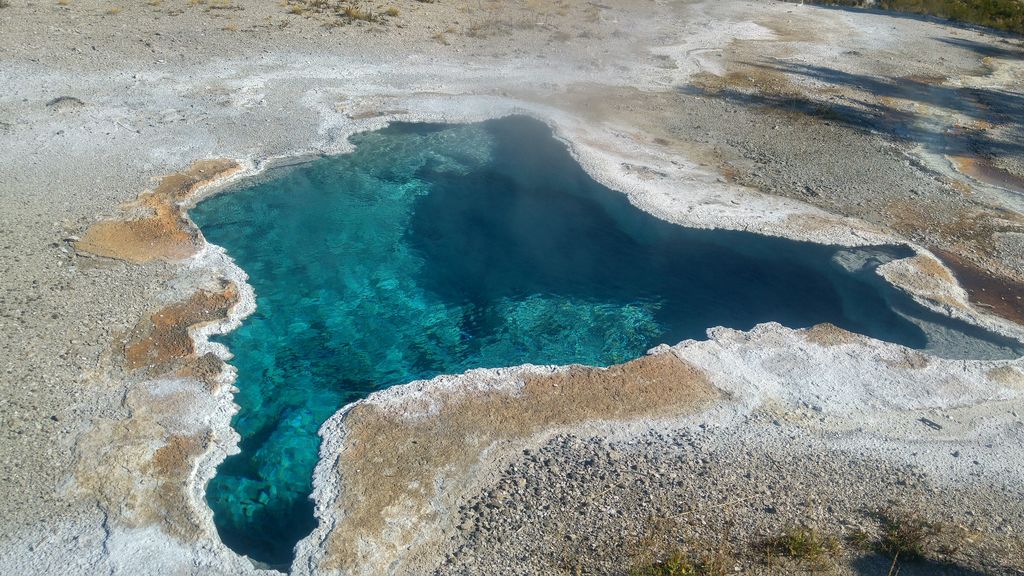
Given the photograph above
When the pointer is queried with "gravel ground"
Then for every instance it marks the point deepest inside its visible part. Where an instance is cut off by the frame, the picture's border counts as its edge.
(851, 113)
(587, 505)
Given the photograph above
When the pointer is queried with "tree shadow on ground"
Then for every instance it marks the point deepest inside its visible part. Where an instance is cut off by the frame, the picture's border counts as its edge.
(919, 17)
(876, 564)
(863, 106)
(1009, 51)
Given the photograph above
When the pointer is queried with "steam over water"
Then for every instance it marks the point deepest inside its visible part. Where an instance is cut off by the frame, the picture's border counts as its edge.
(433, 249)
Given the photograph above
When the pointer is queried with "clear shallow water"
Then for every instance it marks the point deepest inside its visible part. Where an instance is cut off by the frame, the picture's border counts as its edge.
(434, 249)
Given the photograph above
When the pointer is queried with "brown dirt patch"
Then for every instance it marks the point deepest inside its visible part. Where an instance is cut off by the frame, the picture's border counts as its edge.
(162, 338)
(165, 233)
(396, 468)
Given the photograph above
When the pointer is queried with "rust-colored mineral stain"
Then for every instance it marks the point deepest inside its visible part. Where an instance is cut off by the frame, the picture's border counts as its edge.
(137, 485)
(1002, 296)
(174, 459)
(965, 244)
(162, 337)
(392, 464)
(927, 278)
(983, 171)
(165, 233)
(183, 185)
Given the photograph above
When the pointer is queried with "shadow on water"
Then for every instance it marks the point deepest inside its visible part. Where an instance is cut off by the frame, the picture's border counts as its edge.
(434, 249)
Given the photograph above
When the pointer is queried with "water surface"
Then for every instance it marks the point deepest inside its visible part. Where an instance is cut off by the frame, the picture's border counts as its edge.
(433, 249)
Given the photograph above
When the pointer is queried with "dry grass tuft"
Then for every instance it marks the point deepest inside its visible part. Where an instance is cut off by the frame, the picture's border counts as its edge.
(222, 5)
(805, 545)
(336, 12)
(905, 536)
(718, 563)
(353, 13)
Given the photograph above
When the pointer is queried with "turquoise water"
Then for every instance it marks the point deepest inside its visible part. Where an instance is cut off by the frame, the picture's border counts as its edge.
(434, 249)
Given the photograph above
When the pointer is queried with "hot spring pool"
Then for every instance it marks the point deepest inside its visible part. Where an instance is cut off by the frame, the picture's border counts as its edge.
(433, 249)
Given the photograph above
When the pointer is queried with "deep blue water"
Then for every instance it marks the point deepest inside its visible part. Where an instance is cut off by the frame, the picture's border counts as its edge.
(433, 249)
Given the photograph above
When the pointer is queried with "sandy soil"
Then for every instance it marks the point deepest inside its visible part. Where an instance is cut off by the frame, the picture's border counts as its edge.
(827, 125)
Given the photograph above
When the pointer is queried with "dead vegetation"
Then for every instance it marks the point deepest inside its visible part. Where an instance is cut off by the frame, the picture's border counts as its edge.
(338, 12)
(804, 545)
(689, 564)
(905, 536)
(208, 5)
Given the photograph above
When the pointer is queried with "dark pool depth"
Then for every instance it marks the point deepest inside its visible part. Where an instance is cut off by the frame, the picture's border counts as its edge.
(434, 249)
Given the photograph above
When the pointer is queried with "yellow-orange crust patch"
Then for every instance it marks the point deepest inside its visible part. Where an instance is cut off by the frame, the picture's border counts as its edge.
(162, 338)
(165, 233)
